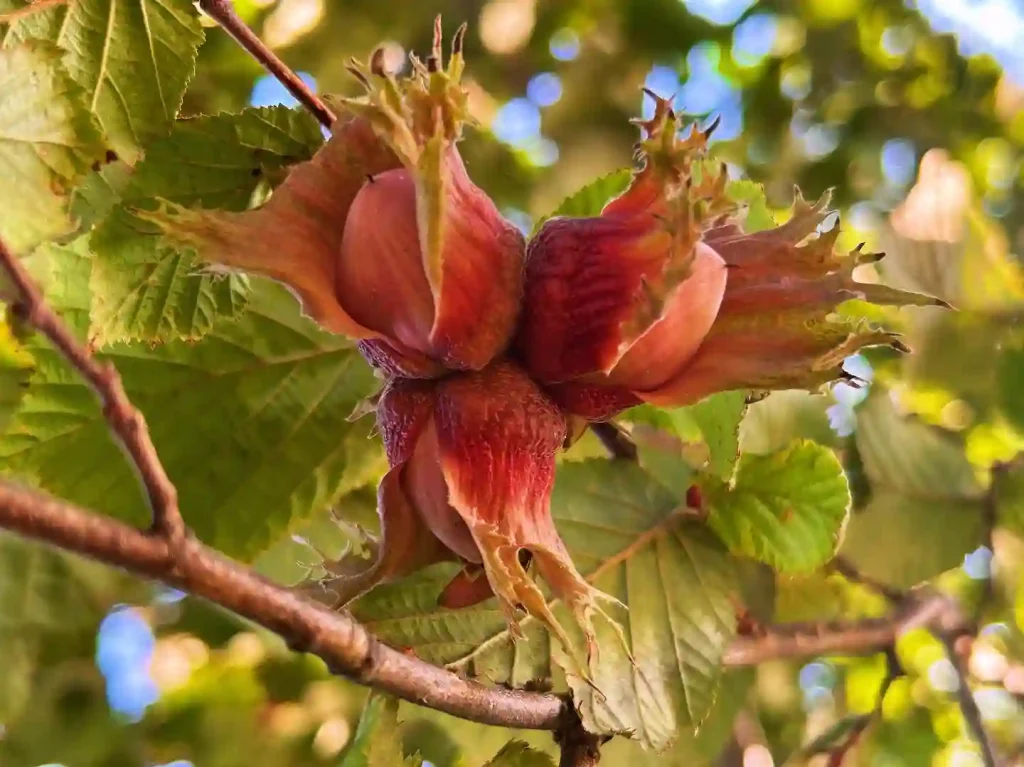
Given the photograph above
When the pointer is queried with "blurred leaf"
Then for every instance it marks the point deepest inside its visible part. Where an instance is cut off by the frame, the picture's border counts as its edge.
(1008, 491)
(924, 511)
(376, 743)
(68, 697)
(786, 509)
(971, 266)
(44, 595)
(782, 417)
(628, 540)
(1011, 384)
(133, 60)
(144, 289)
(518, 754)
(47, 141)
(251, 423)
(591, 199)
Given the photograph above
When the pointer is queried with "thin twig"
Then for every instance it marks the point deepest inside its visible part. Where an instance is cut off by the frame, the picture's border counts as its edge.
(125, 421)
(989, 520)
(965, 699)
(346, 646)
(615, 440)
(849, 571)
(893, 670)
(32, 8)
(223, 12)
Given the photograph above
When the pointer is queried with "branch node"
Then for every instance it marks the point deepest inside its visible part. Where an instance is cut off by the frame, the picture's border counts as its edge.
(125, 421)
(579, 747)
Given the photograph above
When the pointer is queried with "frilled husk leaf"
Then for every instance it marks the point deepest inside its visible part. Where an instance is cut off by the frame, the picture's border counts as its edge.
(295, 237)
(606, 295)
(498, 435)
(779, 326)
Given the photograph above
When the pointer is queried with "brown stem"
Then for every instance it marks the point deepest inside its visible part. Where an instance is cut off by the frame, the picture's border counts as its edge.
(579, 748)
(223, 12)
(849, 571)
(861, 637)
(893, 670)
(125, 421)
(346, 647)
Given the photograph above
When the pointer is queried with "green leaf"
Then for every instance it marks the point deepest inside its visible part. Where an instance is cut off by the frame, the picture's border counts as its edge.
(251, 422)
(518, 754)
(786, 509)
(377, 742)
(144, 289)
(48, 140)
(751, 194)
(591, 199)
(331, 534)
(718, 418)
(44, 594)
(628, 539)
(924, 512)
(713, 424)
(101, 190)
(133, 59)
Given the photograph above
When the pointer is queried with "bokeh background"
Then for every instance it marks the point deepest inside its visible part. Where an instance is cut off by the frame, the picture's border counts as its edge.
(913, 112)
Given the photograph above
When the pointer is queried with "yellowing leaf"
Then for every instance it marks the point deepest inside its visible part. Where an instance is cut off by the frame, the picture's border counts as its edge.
(48, 139)
(133, 58)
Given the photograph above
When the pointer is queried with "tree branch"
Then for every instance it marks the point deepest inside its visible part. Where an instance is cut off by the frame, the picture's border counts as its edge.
(223, 12)
(893, 671)
(861, 637)
(125, 421)
(346, 647)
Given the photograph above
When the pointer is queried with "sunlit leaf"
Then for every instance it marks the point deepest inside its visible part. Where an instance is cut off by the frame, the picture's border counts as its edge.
(48, 140)
(133, 59)
(786, 509)
(144, 289)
